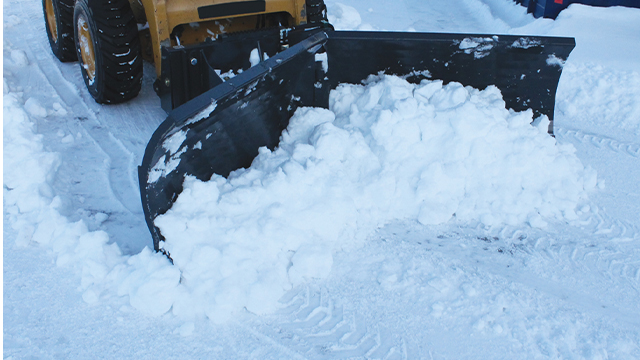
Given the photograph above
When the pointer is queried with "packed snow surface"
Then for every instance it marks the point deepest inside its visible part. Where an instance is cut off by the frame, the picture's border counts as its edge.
(383, 152)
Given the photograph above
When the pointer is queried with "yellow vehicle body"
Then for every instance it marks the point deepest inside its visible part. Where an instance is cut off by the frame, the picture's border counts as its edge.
(186, 22)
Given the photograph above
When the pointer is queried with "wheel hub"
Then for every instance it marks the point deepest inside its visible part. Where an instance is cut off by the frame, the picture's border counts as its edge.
(51, 20)
(85, 42)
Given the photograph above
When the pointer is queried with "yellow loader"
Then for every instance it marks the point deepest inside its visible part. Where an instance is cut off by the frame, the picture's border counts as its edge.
(111, 38)
(231, 73)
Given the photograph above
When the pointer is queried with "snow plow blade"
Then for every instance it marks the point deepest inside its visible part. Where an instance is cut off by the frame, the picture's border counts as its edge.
(217, 127)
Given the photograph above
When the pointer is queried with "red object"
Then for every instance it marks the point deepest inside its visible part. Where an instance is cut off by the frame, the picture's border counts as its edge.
(557, 1)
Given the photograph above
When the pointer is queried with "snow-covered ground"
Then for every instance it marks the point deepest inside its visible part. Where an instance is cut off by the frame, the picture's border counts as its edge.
(492, 240)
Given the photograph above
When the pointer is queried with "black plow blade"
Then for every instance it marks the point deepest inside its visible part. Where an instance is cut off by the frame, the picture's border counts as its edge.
(218, 127)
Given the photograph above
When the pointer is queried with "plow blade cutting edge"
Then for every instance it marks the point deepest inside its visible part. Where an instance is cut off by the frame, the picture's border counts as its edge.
(218, 127)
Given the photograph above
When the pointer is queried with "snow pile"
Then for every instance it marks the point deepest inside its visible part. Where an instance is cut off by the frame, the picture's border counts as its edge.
(600, 84)
(32, 208)
(26, 186)
(386, 151)
(33, 212)
(617, 92)
(597, 32)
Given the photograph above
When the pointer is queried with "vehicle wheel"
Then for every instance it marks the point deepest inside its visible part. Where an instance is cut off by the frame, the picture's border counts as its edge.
(58, 19)
(107, 44)
(316, 11)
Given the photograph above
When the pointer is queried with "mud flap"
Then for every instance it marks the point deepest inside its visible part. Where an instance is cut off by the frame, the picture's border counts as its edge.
(219, 130)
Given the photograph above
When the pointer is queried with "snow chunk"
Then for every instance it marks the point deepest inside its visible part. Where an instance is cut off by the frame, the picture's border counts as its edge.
(173, 145)
(174, 142)
(323, 57)
(185, 330)
(227, 75)
(19, 58)
(59, 110)
(68, 139)
(34, 108)
(310, 262)
(479, 47)
(343, 17)
(542, 123)
(553, 60)
(525, 43)
(203, 114)
(151, 283)
(254, 57)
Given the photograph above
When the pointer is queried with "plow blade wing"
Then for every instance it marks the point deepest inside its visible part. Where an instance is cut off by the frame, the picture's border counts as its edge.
(218, 130)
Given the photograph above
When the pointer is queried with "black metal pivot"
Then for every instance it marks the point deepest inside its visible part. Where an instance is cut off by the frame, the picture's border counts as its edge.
(316, 11)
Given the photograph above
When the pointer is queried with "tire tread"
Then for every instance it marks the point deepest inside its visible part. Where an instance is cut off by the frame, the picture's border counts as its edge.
(120, 51)
(64, 47)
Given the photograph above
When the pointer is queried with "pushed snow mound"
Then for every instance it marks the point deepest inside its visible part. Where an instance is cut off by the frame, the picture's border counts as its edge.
(617, 107)
(385, 151)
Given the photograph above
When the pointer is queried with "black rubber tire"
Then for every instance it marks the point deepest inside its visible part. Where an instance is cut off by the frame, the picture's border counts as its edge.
(316, 12)
(118, 56)
(62, 43)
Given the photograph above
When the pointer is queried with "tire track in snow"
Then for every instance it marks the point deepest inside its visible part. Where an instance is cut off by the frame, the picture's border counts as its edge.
(599, 250)
(122, 180)
(601, 142)
(315, 326)
(618, 235)
(538, 263)
(620, 257)
(610, 257)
